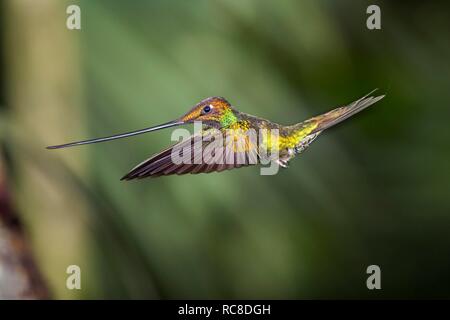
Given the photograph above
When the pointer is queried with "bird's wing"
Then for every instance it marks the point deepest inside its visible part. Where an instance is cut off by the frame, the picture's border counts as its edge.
(209, 151)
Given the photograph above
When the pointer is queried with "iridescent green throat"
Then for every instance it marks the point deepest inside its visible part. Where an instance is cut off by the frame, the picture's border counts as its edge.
(228, 118)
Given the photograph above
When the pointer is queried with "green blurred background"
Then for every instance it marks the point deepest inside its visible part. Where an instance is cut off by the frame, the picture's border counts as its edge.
(375, 190)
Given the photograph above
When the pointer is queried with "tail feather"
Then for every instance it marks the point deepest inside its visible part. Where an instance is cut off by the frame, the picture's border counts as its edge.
(338, 115)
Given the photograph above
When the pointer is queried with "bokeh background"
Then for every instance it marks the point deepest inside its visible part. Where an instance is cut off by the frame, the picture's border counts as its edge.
(375, 190)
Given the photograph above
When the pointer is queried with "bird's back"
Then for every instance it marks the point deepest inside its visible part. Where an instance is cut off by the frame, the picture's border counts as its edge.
(291, 136)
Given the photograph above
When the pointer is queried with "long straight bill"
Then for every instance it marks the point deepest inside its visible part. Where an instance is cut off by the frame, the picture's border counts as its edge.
(119, 136)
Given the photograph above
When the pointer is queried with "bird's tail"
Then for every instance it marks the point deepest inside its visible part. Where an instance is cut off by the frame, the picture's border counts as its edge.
(338, 115)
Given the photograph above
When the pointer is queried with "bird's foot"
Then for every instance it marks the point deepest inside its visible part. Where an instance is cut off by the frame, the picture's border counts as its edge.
(283, 163)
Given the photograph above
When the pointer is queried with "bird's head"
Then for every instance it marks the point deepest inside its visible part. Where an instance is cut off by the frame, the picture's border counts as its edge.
(215, 112)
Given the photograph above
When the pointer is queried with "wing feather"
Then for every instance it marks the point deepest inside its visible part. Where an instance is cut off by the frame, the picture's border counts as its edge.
(162, 163)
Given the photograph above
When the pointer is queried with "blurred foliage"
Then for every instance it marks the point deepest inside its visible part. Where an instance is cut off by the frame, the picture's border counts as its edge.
(374, 190)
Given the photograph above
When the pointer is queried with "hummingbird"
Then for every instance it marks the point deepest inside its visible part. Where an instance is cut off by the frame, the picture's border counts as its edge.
(218, 116)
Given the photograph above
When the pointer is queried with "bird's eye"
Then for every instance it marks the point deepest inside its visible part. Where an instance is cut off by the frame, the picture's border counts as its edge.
(206, 109)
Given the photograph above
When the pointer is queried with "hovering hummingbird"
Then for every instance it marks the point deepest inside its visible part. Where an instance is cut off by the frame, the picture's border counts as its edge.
(218, 116)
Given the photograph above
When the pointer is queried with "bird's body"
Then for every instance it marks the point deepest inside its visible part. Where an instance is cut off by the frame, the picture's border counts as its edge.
(236, 129)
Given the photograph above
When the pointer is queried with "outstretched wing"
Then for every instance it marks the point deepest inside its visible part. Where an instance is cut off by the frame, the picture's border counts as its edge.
(207, 152)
